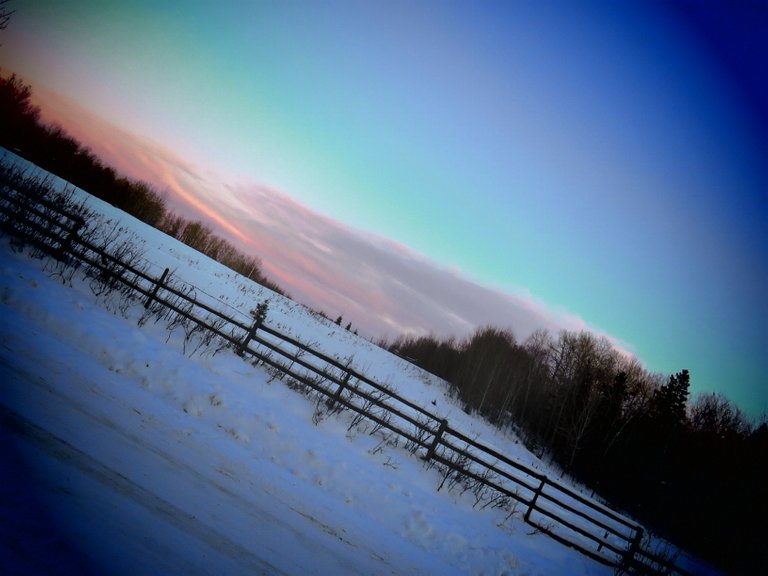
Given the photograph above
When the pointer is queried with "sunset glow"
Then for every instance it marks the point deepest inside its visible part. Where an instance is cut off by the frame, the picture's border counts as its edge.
(438, 166)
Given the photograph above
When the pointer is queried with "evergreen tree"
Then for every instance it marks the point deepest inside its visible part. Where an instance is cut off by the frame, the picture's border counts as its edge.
(669, 401)
(18, 115)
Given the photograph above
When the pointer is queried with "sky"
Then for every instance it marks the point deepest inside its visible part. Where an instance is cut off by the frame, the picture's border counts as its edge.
(432, 167)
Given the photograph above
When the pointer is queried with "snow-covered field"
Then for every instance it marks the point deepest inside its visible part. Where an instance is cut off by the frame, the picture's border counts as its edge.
(121, 454)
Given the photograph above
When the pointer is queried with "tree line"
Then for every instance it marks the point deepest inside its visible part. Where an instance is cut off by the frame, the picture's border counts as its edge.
(51, 148)
(692, 469)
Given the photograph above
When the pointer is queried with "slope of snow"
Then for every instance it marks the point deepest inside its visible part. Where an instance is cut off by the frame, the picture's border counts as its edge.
(148, 461)
(124, 455)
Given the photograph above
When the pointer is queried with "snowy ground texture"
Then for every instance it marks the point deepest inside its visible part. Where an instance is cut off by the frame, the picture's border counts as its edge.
(121, 454)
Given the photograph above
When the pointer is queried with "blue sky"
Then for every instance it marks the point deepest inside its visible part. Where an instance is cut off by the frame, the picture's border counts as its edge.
(599, 163)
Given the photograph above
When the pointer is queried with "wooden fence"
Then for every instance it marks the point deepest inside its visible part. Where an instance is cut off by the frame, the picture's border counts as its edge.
(54, 228)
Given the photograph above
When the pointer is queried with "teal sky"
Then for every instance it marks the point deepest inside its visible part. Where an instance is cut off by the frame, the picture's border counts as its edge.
(605, 160)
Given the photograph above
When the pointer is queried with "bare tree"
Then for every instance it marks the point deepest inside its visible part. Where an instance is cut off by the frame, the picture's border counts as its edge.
(715, 416)
(5, 14)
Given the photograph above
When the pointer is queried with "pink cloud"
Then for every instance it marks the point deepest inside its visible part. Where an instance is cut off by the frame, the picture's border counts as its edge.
(385, 287)
(382, 286)
(136, 157)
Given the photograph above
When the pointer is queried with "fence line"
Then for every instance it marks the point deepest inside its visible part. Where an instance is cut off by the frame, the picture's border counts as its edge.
(55, 229)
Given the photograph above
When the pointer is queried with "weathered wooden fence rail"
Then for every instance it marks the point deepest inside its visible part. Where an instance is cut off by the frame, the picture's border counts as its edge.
(602, 534)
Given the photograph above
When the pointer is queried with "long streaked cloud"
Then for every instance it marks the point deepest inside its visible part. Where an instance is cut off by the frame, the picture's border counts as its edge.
(383, 287)
(137, 157)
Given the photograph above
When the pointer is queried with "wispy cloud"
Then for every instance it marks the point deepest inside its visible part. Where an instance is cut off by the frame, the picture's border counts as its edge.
(383, 287)
(139, 158)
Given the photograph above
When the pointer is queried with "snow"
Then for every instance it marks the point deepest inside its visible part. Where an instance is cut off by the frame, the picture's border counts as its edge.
(126, 453)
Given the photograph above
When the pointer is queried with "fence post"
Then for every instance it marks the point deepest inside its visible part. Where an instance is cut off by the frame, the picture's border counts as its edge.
(438, 435)
(536, 495)
(65, 244)
(342, 385)
(248, 337)
(634, 546)
(159, 283)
